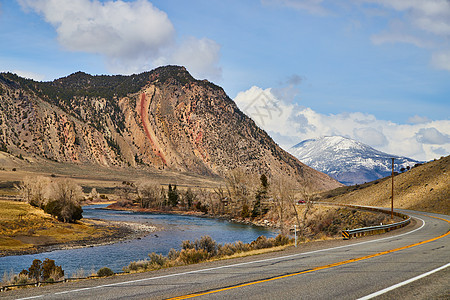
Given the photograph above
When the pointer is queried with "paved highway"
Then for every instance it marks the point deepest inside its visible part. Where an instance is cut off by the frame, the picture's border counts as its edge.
(376, 266)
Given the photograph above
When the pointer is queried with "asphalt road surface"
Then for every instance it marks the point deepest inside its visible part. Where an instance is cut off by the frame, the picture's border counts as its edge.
(377, 266)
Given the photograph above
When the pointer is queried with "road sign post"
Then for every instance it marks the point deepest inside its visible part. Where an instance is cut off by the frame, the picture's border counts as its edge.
(295, 235)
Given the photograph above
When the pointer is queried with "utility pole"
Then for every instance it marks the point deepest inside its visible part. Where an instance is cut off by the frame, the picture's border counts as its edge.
(392, 193)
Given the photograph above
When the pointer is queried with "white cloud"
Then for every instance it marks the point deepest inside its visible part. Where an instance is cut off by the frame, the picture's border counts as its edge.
(398, 37)
(422, 23)
(441, 60)
(289, 123)
(29, 75)
(131, 36)
(418, 119)
(200, 57)
(432, 136)
(370, 136)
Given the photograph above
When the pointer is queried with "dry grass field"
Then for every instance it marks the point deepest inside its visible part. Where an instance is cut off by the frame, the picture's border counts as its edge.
(23, 227)
(423, 188)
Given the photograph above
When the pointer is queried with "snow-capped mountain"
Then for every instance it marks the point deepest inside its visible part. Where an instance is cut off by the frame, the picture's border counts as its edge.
(348, 161)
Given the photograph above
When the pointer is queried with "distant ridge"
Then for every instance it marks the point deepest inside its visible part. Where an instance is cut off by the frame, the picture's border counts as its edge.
(348, 161)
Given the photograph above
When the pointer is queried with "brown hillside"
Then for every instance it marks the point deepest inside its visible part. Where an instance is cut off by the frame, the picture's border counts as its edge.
(163, 120)
(423, 188)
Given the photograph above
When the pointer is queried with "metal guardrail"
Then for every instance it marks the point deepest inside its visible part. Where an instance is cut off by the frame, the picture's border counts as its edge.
(348, 234)
(7, 287)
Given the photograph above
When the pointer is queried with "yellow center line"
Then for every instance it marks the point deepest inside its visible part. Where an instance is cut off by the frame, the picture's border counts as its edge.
(316, 268)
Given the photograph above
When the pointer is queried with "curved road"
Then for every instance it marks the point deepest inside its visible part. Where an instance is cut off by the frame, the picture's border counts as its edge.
(376, 266)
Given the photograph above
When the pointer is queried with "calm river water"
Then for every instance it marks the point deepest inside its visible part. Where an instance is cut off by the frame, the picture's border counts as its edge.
(172, 230)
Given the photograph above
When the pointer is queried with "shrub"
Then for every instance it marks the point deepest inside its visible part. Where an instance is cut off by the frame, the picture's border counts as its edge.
(173, 254)
(187, 245)
(104, 272)
(245, 213)
(35, 270)
(205, 243)
(70, 212)
(281, 240)
(226, 250)
(50, 271)
(208, 244)
(136, 266)
(193, 256)
(157, 259)
(261, 242)
(241, 247)
(232, 248)
(21, 279)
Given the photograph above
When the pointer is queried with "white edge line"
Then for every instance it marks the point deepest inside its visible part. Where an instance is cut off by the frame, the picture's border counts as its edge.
(388, 289)
(227, 266)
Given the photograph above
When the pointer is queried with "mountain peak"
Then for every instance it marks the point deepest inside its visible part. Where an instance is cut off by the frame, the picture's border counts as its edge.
(347, 160)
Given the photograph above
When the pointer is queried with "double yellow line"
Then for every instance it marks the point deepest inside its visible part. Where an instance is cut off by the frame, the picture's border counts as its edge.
(314, 269)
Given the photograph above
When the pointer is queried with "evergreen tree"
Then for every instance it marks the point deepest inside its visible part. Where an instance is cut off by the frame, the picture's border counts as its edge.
(189, 196)
(261, 194)
(173, 196)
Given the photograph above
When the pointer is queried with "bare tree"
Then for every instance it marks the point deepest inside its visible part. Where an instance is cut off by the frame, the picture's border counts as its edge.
(148, 193)
(309, 196)
(125, 191)
(34, 189)
(220, 193)
(94, 195)
(241, 187)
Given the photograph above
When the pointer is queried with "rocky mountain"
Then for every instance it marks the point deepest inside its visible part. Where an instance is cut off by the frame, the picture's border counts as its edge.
(348, 161)
(163, 119)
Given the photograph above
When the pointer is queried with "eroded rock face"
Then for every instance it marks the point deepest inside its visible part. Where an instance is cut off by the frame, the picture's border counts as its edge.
(163, 119)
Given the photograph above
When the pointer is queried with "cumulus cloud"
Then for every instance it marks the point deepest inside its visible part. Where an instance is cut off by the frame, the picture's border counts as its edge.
(432, 136)
(418, 119)
(131, 36)
(289, 123)
(372, 136)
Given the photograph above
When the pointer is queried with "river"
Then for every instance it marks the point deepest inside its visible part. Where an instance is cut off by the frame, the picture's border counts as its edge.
(172, 230)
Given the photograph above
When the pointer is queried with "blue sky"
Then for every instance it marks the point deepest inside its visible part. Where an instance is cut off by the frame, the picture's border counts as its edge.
(373, 70)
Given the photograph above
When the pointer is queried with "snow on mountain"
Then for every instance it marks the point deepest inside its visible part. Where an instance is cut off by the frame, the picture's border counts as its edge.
(348, 161)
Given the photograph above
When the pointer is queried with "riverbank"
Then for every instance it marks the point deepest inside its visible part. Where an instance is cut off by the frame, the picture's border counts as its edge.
(253, 222)
(27, 230)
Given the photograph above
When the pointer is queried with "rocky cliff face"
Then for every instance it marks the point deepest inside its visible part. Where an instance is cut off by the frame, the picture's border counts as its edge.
(162, 119)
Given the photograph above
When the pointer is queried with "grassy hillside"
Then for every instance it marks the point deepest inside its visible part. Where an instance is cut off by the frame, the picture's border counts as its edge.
(424, 188)
(23, 227)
